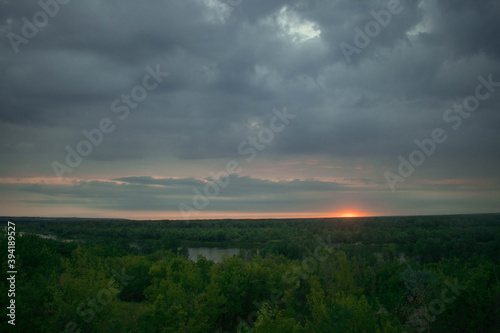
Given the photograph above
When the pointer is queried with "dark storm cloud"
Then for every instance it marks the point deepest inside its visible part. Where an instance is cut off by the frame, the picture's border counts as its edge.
(469, 27)
(242, 186)
(231, 65)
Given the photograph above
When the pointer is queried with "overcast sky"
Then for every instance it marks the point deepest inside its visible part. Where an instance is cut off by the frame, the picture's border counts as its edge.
(310, 105)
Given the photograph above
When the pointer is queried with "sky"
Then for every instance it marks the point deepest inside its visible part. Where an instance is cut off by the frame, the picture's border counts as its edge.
(249, 108)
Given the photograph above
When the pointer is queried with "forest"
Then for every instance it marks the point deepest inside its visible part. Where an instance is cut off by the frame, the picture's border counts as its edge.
(373, 274)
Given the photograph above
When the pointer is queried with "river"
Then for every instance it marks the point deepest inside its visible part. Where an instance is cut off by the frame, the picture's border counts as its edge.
(211, 253)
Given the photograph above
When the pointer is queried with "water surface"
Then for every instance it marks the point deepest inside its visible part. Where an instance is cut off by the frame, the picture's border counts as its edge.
(211, 253)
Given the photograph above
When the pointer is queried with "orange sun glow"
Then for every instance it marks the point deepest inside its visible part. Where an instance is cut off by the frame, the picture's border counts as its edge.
(349, 212)
(349, 215)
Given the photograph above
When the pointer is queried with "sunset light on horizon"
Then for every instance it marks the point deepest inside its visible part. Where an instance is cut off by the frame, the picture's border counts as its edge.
(227, 109)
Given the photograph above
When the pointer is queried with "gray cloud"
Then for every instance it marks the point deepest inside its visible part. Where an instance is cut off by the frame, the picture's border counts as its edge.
(145, 180)
(231, 65)
(142, 193)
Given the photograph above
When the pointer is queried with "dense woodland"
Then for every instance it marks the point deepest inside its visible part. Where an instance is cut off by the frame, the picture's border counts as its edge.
(391, 274)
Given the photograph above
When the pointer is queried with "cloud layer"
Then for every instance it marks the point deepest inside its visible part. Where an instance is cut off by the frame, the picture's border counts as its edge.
(229, 66)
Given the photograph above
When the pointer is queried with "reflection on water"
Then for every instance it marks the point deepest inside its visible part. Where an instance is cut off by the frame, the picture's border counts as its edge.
(49, 236)
(211, 253)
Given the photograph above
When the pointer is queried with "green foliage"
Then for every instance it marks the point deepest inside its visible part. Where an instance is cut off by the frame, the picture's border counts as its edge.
(271, 320)
(284, 247)
(340, 313)
(375, 275)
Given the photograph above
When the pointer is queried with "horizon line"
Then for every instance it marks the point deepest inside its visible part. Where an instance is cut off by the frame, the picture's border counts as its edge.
(243, 218)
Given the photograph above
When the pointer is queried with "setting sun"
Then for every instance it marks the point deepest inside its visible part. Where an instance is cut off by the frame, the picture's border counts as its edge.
(349, 215)
(349, 212)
